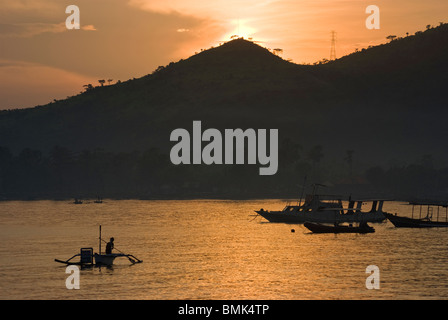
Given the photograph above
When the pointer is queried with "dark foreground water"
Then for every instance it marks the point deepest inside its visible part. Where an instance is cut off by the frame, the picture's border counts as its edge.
(210, 249)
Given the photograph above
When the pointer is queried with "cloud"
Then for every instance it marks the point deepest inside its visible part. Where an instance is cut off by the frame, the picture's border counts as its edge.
(89, 27)
(24, 30)
(28, 18)
(220, 9)
(29, 29)
(28, 5)
(129, 42)
(24, 84)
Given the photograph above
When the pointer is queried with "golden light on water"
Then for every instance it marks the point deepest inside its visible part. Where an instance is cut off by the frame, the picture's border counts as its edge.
(209, 249)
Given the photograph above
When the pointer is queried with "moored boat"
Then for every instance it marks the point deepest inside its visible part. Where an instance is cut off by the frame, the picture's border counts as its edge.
(322, 228)
(421, 222)
(316, 209)
(98, 200)
(405, 222)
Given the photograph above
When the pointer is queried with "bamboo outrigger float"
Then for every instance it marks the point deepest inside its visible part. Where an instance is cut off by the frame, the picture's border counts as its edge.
(88, 258)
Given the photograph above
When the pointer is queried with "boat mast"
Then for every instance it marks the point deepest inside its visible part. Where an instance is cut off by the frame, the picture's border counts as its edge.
(100, 240)
(303, 190)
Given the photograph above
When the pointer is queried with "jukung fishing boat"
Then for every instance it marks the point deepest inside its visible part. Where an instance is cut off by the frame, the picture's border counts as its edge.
(427, 221)
(327, 209)
(88, 258)
(336, 228)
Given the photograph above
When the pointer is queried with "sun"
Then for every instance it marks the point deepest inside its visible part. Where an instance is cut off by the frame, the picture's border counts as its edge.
(239, 29)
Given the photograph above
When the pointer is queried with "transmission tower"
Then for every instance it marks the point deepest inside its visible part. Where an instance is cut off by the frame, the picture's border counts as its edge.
(333, 46)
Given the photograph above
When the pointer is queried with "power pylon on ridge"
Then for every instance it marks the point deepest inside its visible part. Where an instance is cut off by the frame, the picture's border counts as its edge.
(333, 46)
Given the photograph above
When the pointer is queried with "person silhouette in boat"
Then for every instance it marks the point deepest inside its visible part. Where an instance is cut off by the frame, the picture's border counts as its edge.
(110, 246)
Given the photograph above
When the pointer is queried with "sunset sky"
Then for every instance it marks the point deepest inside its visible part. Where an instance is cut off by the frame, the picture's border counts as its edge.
(41, 60)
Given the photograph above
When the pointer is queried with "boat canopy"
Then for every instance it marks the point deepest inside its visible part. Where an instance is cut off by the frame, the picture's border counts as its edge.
(429, 203)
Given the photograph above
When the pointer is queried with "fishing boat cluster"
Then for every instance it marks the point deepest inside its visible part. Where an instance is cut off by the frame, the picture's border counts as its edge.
(326, 214)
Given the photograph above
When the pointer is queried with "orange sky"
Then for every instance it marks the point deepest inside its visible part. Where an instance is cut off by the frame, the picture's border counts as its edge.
(41, 60)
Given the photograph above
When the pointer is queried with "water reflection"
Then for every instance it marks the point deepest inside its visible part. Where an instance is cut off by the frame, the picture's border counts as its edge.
(207, 249)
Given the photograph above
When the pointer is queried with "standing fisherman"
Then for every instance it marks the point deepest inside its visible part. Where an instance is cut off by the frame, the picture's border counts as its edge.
(110, 246)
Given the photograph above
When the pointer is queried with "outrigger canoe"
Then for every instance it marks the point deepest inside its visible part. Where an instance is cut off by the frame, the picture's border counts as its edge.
(88, 258)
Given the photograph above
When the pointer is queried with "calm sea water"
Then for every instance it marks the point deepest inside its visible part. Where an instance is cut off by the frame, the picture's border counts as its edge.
(209, 249)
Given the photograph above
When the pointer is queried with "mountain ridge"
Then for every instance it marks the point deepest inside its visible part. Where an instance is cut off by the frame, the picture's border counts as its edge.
(373, 120)
(239, 84)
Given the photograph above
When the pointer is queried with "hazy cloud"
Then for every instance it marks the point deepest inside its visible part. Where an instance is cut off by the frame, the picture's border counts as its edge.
(28, 5)
(24, 84)
(217, 8)
(29, 29)
(89, 27)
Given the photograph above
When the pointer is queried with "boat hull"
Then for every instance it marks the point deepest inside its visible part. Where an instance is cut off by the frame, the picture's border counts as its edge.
(320, 216)
(320, 228)
(105, 259)
(404, 222)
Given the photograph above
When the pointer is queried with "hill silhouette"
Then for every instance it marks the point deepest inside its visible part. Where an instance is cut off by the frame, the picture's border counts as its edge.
(387, 104)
